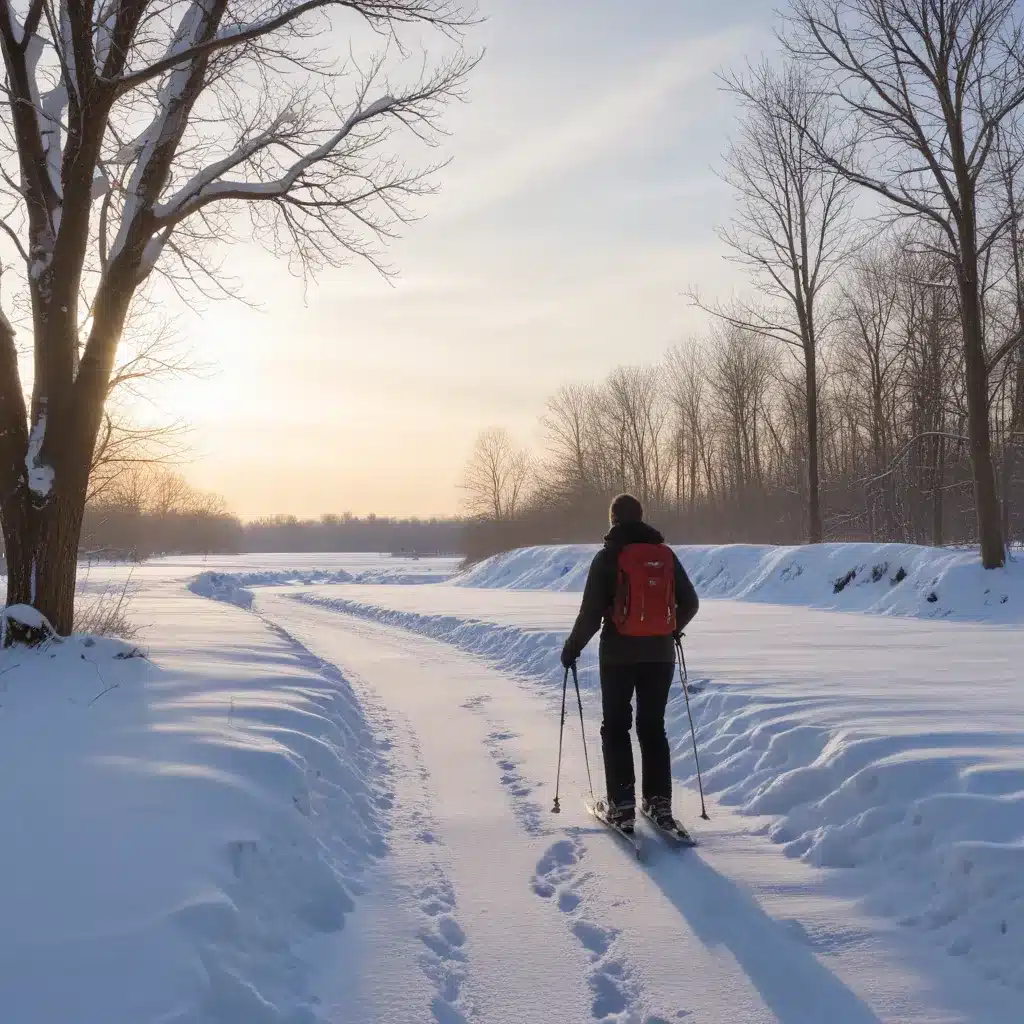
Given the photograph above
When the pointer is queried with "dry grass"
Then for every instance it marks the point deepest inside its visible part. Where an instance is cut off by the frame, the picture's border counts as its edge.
(106, 614)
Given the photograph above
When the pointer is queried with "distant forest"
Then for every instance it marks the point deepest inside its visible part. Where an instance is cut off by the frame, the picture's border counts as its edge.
(146, 511)
(352, 533)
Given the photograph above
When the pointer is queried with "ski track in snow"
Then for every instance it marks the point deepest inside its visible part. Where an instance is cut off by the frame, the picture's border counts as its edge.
(456, 948)
(518, 788)
(442, 958)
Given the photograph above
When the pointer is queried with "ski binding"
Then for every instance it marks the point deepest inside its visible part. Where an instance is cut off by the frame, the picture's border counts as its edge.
(679, 835)
(598, 809)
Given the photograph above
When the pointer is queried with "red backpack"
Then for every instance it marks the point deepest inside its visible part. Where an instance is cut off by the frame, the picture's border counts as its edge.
(645, 591)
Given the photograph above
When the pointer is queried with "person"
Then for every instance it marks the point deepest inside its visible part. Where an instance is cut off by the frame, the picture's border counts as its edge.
(641, 663)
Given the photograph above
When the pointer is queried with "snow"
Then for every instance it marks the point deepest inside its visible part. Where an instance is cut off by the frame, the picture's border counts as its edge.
(854, 739)
(180, 828)
(325, 797)
(208, 186)
(888, 579)
(103, 32)
(40, 475)
(69, 67)
(26, 615)
(235, 588)
(166, 121)
(17, 29)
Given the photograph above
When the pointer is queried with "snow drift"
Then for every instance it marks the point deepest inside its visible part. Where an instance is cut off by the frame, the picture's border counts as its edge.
(235, 588)
(892, 579)
(178, 831)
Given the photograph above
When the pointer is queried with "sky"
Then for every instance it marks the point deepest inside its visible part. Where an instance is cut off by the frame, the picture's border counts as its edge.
(579, 207)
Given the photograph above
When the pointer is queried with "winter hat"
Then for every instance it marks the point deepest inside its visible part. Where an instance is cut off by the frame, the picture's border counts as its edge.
(625, 509)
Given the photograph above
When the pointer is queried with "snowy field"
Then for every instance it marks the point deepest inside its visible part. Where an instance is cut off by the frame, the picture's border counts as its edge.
(325, 796)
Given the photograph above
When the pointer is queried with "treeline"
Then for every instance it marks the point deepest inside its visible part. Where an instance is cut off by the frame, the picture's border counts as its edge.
(138, 511)
(353, 533)
(141, 511)
(869, 384)
(712, 439)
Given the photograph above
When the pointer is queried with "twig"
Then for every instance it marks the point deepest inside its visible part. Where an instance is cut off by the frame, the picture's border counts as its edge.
(113, 686)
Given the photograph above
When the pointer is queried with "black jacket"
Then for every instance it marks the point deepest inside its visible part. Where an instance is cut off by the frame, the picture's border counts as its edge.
(599, 596)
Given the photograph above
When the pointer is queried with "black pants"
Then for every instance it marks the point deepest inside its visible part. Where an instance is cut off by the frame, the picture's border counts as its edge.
(651, 681)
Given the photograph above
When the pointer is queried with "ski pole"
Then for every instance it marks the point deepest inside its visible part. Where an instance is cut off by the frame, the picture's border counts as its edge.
(583, 731)
(561, 731)
(693, 733)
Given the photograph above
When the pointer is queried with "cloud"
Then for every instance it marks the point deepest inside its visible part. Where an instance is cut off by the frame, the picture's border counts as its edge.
(554, 140)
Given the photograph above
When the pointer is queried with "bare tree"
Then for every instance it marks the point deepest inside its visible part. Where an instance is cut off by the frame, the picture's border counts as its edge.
(868, 344)
(496, 477)
(1009, 316)
(639, 431)
(135, 135)
(568, 423)
(150, 353)
(928, 87)
(791, 228)
(742, 373)
(687, 376)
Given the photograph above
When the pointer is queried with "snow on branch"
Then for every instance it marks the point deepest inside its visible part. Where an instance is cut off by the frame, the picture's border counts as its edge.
(40, 474)
(321, 186)
(157, 144)
(208, 188)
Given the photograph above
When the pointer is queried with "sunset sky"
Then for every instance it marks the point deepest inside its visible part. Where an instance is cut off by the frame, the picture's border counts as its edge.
(579, 207)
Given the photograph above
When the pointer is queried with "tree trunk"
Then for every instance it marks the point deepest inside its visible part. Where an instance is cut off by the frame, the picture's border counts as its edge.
(986, 494)
(42, 527)
(938, 482)
(1010, 448)
(815, 529)
(1008, 460)
(42, 558)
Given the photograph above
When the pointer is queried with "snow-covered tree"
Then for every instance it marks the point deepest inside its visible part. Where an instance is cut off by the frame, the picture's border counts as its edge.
(137, 135)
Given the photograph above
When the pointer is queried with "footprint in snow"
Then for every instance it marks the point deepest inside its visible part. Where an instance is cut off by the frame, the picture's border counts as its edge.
(555, 868)
(439, 945)
(556, 878)
(443, 957)
(451, 931)
(594, 938)
(527, 811)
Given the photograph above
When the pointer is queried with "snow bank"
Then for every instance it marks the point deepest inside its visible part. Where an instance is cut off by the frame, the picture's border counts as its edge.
(235, 588)
(933, 815)
(892, 579)
(178, 832)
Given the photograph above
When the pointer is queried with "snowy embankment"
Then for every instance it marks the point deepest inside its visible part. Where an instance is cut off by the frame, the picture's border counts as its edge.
(894, 579)
(180, 831)
(879, 744)
(235, 588)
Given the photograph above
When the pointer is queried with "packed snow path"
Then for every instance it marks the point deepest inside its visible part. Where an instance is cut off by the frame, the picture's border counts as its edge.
(489, 908)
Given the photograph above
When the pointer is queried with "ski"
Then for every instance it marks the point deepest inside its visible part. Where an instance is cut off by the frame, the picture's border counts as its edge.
(596, 808)
(679, 836)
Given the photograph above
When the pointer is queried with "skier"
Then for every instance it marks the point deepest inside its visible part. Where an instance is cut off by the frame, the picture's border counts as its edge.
(646, 600)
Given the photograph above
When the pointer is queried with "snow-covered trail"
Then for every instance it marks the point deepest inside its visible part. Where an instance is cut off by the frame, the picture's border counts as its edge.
(511, 914)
